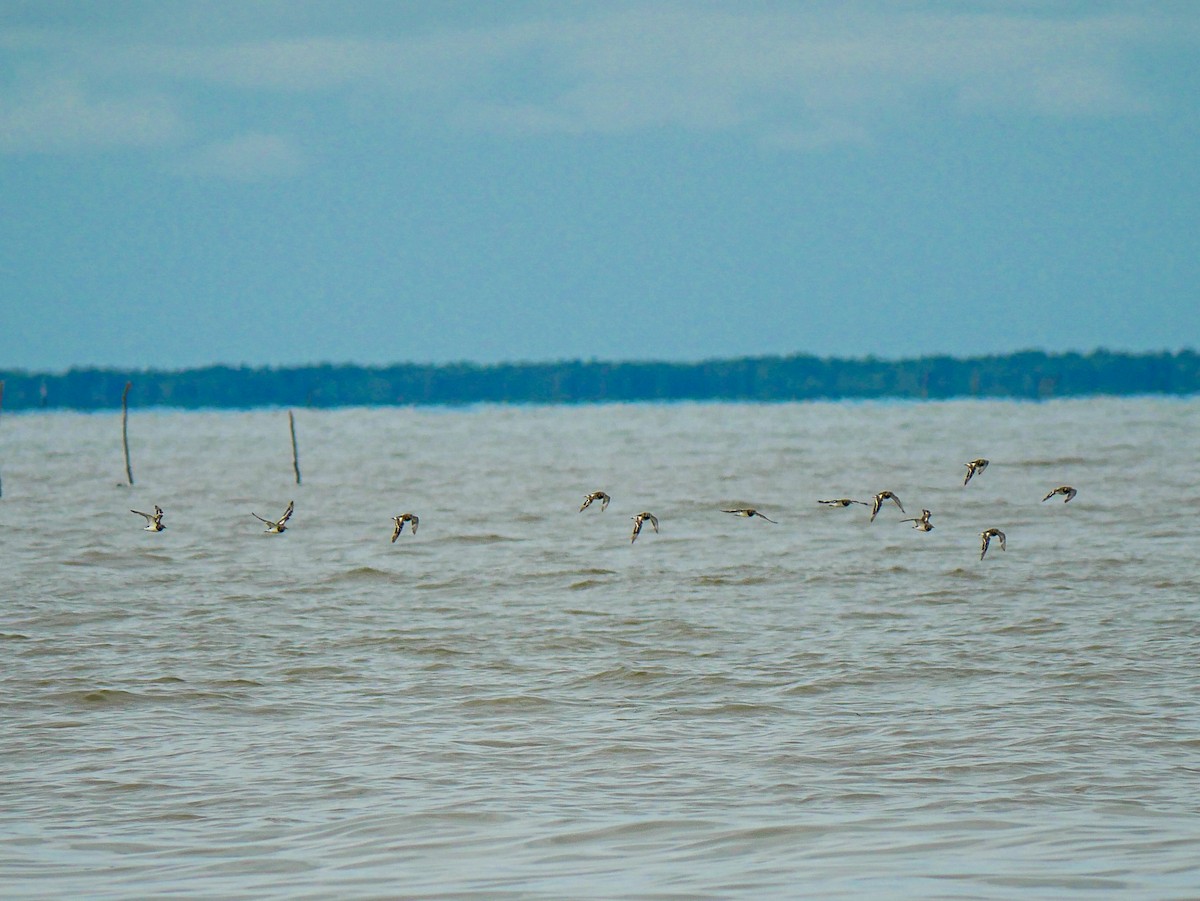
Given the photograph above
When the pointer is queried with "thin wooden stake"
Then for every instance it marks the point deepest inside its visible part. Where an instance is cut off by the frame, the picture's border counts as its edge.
(295, 453)
(125, 430)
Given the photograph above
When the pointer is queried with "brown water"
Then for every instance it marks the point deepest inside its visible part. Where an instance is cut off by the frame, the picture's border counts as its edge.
(517, 702)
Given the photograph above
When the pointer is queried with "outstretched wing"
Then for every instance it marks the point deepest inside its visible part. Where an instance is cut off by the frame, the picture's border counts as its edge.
(399, 524)
(287, 514)
(149, 518)
(414, 519)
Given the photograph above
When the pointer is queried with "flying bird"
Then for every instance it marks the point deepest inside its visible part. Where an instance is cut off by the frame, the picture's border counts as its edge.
(986, 537)
(878, 503)
(275, 526)
(401, 520)
(842, 502)
(1065, 490)
(596, 496)
(748, 512)
(921, 522)
(153, 521)
(974, 468)
(637, 524)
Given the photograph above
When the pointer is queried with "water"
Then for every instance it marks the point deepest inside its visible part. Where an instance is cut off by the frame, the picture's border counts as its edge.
(517, 702)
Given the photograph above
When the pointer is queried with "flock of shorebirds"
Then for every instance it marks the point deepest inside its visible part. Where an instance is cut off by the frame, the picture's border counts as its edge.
(154, 521)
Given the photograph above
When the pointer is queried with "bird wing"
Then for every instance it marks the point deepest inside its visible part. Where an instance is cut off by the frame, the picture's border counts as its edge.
(414, 520)
(399, 524)
(256, 516)
(149, 518)
(653, 520)
(287, 514)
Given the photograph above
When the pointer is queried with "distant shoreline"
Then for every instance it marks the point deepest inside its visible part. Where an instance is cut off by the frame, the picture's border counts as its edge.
(1031, 375)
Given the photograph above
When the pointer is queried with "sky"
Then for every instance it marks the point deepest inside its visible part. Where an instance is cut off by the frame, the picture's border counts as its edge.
(281, 183)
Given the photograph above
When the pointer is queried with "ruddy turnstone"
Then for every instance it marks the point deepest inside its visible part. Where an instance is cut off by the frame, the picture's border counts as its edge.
(921, 522)
(974, 468)
(275, 526)
(878, 500)
(1065, 490)
(153, 521)
(986, 537)
(596, 496)
(747, 512)
(842, 502)
(637, 524)
(401, 520)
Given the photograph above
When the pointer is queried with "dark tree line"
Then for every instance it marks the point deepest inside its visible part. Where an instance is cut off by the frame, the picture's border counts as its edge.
(1029, 374)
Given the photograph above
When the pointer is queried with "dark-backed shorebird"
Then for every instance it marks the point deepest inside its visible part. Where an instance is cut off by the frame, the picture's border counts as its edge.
(637, 524)
(877, 502)
(1065, 490)
(154, 521)
(400, 520)
(921, 522)
(985, 540)
(842, 502)
(596, 496)
(748, 512)
(275, 526)
(974, 468)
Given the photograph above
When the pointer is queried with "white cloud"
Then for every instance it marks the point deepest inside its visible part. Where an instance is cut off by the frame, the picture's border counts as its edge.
(800, 76)
(247, 157)
(62, 116)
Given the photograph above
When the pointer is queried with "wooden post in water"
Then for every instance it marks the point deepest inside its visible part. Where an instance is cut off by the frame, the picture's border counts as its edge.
(295, 454)
(125, 430)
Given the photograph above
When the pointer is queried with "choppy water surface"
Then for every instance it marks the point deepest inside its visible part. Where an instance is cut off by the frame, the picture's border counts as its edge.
(516, 702)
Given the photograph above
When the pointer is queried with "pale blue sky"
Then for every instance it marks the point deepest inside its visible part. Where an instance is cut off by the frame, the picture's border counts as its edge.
(186, 183)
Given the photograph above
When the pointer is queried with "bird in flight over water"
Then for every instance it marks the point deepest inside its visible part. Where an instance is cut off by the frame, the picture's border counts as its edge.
(153, 521)
(596, 496)
(986, 537)
(921, 522)
(842, 502)
(878, 503)
(401, 520)
(637, 524)
(275, 526)
(974, 468)
(1065, 490)
(748, 512)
